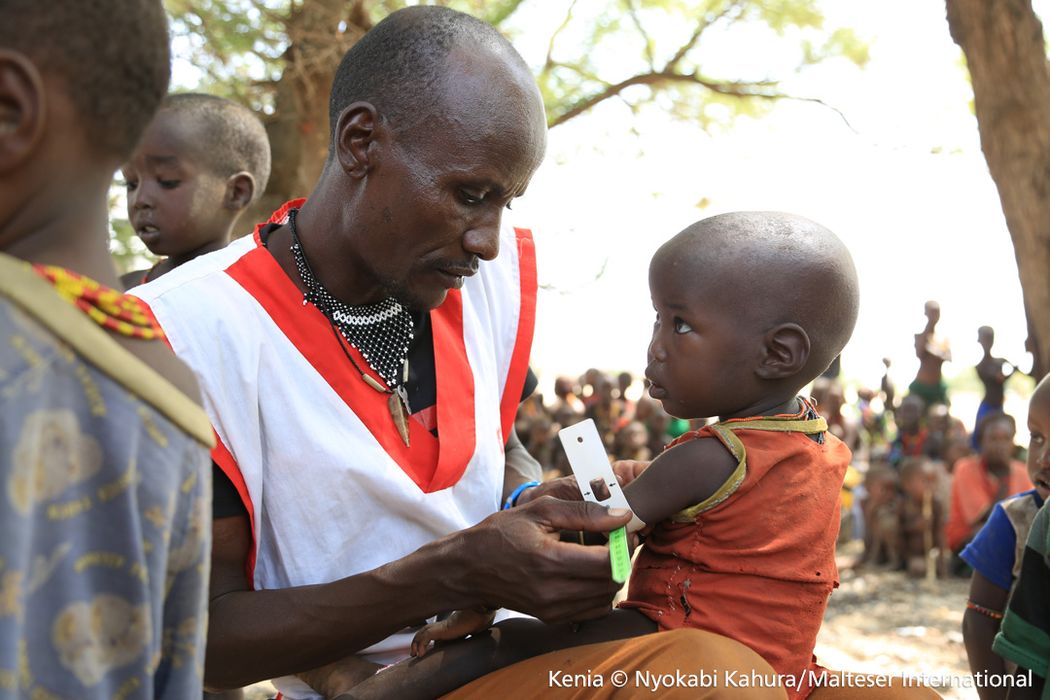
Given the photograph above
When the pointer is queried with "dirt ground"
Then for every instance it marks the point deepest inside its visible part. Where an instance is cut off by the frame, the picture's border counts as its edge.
(881, 622)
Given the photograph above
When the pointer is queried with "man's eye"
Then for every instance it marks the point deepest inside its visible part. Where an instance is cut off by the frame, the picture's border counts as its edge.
(681, 326)
(1037, 439)
(471, 199)
(169, 184)
(129, 185)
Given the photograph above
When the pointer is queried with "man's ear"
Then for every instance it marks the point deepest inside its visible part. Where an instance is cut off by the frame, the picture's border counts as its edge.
(22, 109)
(240, 191)
(785, 351)
(356, 133)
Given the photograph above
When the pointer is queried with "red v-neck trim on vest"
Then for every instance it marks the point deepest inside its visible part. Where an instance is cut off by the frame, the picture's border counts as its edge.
(433, 463)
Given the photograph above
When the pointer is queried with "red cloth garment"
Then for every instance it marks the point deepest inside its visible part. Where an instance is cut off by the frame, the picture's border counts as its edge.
(756, 564)
(974, 492)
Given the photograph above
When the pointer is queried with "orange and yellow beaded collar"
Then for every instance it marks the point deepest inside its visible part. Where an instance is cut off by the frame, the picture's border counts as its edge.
(123, 314)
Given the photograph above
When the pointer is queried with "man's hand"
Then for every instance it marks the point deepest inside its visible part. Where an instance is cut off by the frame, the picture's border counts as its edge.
(514, 559)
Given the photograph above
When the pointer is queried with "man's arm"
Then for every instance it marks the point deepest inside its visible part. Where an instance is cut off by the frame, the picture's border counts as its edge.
(521, 467)
(511, 559)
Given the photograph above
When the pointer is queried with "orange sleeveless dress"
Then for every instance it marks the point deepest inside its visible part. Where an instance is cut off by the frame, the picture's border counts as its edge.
(756, 561)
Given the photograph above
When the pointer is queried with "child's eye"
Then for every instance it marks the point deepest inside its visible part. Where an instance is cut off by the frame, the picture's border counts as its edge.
(1037, 438)
(169, 184)
(508, 206)
(681, 326)
(130, 185)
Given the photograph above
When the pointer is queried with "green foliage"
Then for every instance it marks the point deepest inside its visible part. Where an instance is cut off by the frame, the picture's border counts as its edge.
(632, 50)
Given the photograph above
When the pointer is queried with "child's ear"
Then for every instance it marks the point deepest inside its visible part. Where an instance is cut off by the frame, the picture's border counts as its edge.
(785, 351)
(355, 135)
(22, 109)
(240, 191)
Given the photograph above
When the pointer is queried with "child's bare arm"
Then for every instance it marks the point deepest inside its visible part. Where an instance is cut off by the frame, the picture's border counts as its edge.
(979, 630)
(339, 676)
(453, 665)
(680, 477)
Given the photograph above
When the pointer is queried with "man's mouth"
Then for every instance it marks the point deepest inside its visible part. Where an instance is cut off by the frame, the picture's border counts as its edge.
(457, 274)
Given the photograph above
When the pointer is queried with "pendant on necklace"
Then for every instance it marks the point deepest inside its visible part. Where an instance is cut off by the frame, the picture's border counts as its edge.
(398, 413)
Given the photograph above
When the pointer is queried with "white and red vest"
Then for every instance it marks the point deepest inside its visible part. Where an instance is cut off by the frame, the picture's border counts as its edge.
(330, 488)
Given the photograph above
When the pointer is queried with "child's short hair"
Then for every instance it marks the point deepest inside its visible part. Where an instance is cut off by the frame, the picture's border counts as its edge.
(113, 56)
(912, 467)
(233, 138)
(988, 421)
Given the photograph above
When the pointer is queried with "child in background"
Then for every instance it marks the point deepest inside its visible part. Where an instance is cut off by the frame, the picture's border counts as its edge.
(921, 518)
(881, 509)
(911, 431)
(199, 165)
(995, 553)
(750, 308)
(981, 481)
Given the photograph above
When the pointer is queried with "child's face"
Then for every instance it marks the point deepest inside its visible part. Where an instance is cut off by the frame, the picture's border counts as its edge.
(1039, 444)
(175, 203)
(997, 442)
(698, 359)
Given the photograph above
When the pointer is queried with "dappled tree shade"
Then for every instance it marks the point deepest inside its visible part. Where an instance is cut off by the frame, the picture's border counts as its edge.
(279, 56)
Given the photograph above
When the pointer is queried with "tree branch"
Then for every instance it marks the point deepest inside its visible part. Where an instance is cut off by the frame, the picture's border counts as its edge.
(700, 27)
(632, 11)
(549, 62)
(759, 90)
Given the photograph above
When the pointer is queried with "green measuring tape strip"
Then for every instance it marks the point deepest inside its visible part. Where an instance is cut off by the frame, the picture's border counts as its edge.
(619, 557)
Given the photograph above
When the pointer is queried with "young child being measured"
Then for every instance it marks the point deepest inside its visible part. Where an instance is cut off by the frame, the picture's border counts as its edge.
(202, 161)
(744, 513)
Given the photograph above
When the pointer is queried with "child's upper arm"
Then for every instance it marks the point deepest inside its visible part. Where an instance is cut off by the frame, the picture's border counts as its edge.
(680, 477)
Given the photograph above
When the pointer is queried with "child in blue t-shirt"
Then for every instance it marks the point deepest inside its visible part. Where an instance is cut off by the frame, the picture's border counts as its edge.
(994, 553)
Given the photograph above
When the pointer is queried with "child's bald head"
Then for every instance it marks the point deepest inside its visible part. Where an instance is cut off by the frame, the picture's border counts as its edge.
(768, 269)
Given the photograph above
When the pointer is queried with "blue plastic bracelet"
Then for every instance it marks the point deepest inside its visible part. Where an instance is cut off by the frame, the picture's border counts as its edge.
(512, 499)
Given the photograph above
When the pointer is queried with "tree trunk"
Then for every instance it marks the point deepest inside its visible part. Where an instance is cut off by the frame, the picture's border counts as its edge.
(1006, 54)
(319, 33)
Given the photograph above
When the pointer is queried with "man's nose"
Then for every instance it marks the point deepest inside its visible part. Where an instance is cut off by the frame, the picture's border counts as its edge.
(482, 240)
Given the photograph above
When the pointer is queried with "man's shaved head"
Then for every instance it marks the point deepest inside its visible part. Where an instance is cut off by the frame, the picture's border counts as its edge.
(770, 268)
(400, 63)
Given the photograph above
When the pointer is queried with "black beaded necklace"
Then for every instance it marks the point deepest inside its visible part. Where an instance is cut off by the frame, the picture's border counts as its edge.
(381, 332)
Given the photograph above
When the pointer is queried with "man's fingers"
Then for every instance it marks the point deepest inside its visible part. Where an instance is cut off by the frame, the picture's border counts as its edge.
(578, 515)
